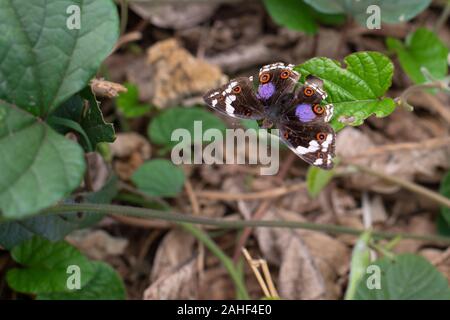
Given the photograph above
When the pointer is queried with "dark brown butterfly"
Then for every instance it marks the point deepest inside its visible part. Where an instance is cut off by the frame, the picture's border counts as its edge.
(277, 99)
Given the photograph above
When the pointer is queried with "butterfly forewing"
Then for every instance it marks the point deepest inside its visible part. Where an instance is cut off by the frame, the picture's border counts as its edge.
(237, 99)
(275, 80)
(307, 107)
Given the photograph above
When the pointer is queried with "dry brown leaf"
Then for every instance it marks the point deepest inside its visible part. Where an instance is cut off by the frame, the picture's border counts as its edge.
(175, 249)
(108, 89)
(403, 164)
(441, 259)
(176, 74)
(299, 276)
(180, 284)
(98, 171)
(97, 244)
(174, 16)
(343, 203)
(420, 224)
(174, 272)
(310, 262)
(130, 150)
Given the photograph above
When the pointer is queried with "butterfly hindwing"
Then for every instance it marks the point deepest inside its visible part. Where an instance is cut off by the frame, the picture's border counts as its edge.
(312, 91)
(275, 80)
(306, 112)
(237, 99)
(307, 107)
(313, 142)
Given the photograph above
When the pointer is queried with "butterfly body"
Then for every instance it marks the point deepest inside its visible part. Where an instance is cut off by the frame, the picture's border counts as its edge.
(277, 100)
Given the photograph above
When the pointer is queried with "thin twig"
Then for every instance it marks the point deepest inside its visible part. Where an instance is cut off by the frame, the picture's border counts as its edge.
(442, 18)
(408, 185)
(272, 289)
(127, 38)
(196, 211)
(256, 272)
(438, 106)
(192, 197)
(402, 100)
(405, 146)
(266, 194)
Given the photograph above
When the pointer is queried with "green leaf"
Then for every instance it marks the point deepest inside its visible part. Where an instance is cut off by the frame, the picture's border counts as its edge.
(408, 277)
(81, 113)
(392, 11)
(42, 61)
(159, 177)
(104, 285)
(38, 166)
(357, 91)
(55, 227)
(128, 102)
(359, 263)
(422, 48)
(93, 123)
(161, 128)
(296, 15)
(46, 266)
(317, 179)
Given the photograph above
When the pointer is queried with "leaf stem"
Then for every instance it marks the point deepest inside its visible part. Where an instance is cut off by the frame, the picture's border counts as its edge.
(228, 224)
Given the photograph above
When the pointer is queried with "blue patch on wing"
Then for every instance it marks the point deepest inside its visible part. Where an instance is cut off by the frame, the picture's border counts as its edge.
(304, 112)
(265, 91)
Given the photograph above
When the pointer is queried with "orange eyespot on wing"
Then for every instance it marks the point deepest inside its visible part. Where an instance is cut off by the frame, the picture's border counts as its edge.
(264, 77)
(318, 109)
(285, 74)
(321, 136)
(308, 91)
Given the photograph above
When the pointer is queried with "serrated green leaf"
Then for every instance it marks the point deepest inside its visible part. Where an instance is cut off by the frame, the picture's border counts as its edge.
(37, 165)
(55, 227)
(317, 179)
(45, 266)
(104, 285)
(163, 125)
(422, 48)
(92, 120)
(82, 114)
(391, 11)
(159, 177)
(408, 277)
(357, 91)
(42, 61)
(128, 102)
(297, 15)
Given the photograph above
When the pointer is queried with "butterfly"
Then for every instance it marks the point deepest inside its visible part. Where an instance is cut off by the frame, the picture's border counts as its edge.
(277, 99)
